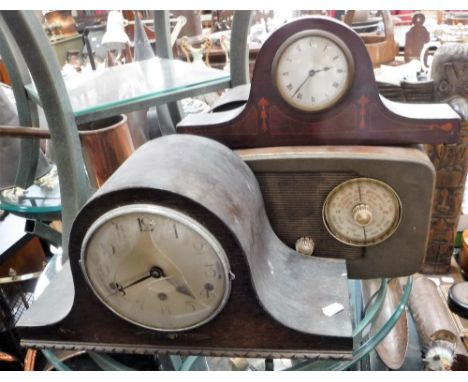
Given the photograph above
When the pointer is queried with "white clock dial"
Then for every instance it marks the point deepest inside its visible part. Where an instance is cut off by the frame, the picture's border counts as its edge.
(156, 267)
(362, 212)
(313, 71)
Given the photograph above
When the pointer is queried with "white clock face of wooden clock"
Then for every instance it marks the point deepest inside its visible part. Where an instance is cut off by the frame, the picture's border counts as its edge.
(313, 71)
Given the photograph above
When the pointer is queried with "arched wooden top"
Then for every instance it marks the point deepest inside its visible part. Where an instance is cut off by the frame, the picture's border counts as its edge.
(360, 117)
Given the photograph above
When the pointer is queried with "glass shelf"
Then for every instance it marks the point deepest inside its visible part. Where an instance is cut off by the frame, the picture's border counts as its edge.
(137, 85)
(364, 345)
(40, 201)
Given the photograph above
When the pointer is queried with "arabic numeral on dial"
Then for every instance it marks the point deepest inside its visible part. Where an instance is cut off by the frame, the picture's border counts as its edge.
(299, 96)
(118, 288)
(209, 288)
(190, 306)
(285, 73)
(140, 305)
(289, 87)
(339, 70)
(220, 271)
(211, 270)
(162, 296)
(200, 246)
(335, 85)
(119, 229)
(312, 99)
(107, 249)
(146, 224)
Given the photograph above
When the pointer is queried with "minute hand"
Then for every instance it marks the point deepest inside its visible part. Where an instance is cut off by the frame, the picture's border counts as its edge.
(311, 73)
(154, 272)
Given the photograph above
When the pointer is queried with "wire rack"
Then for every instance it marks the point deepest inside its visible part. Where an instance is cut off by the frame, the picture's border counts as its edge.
(15, 299)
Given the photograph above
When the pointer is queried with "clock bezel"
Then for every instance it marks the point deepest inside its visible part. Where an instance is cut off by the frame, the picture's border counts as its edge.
(181, 218)
(312, 33)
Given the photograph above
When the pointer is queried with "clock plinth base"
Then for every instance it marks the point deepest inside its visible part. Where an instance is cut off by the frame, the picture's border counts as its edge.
(243, 329)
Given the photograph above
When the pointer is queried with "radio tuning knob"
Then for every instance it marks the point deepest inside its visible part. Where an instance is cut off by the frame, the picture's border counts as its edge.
(362, 214)
(305, 245)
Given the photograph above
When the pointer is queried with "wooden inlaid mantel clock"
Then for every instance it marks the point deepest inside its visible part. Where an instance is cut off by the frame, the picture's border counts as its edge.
(314, 84)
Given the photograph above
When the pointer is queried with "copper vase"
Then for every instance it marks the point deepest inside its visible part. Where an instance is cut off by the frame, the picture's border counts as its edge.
(105, 144)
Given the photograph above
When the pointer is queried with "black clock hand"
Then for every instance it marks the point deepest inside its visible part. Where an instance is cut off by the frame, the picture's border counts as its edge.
(311, 73)
(182, 289)
(154, 272)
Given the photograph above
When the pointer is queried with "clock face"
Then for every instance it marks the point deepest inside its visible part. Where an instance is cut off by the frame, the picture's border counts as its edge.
(156, 267)
(313, 70)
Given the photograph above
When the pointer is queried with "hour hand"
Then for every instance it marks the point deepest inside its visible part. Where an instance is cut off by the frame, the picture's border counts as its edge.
(310, 74)
(184, 290)
(181, 288)
(324, 69)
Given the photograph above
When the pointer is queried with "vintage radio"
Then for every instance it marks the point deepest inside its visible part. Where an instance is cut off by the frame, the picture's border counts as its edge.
(368, 205)
(190, 247)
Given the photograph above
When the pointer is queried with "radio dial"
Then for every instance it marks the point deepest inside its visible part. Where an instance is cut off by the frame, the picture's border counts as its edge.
(362, 212)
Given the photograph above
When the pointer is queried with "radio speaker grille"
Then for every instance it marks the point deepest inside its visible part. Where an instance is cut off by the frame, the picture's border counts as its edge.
(294, 201)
